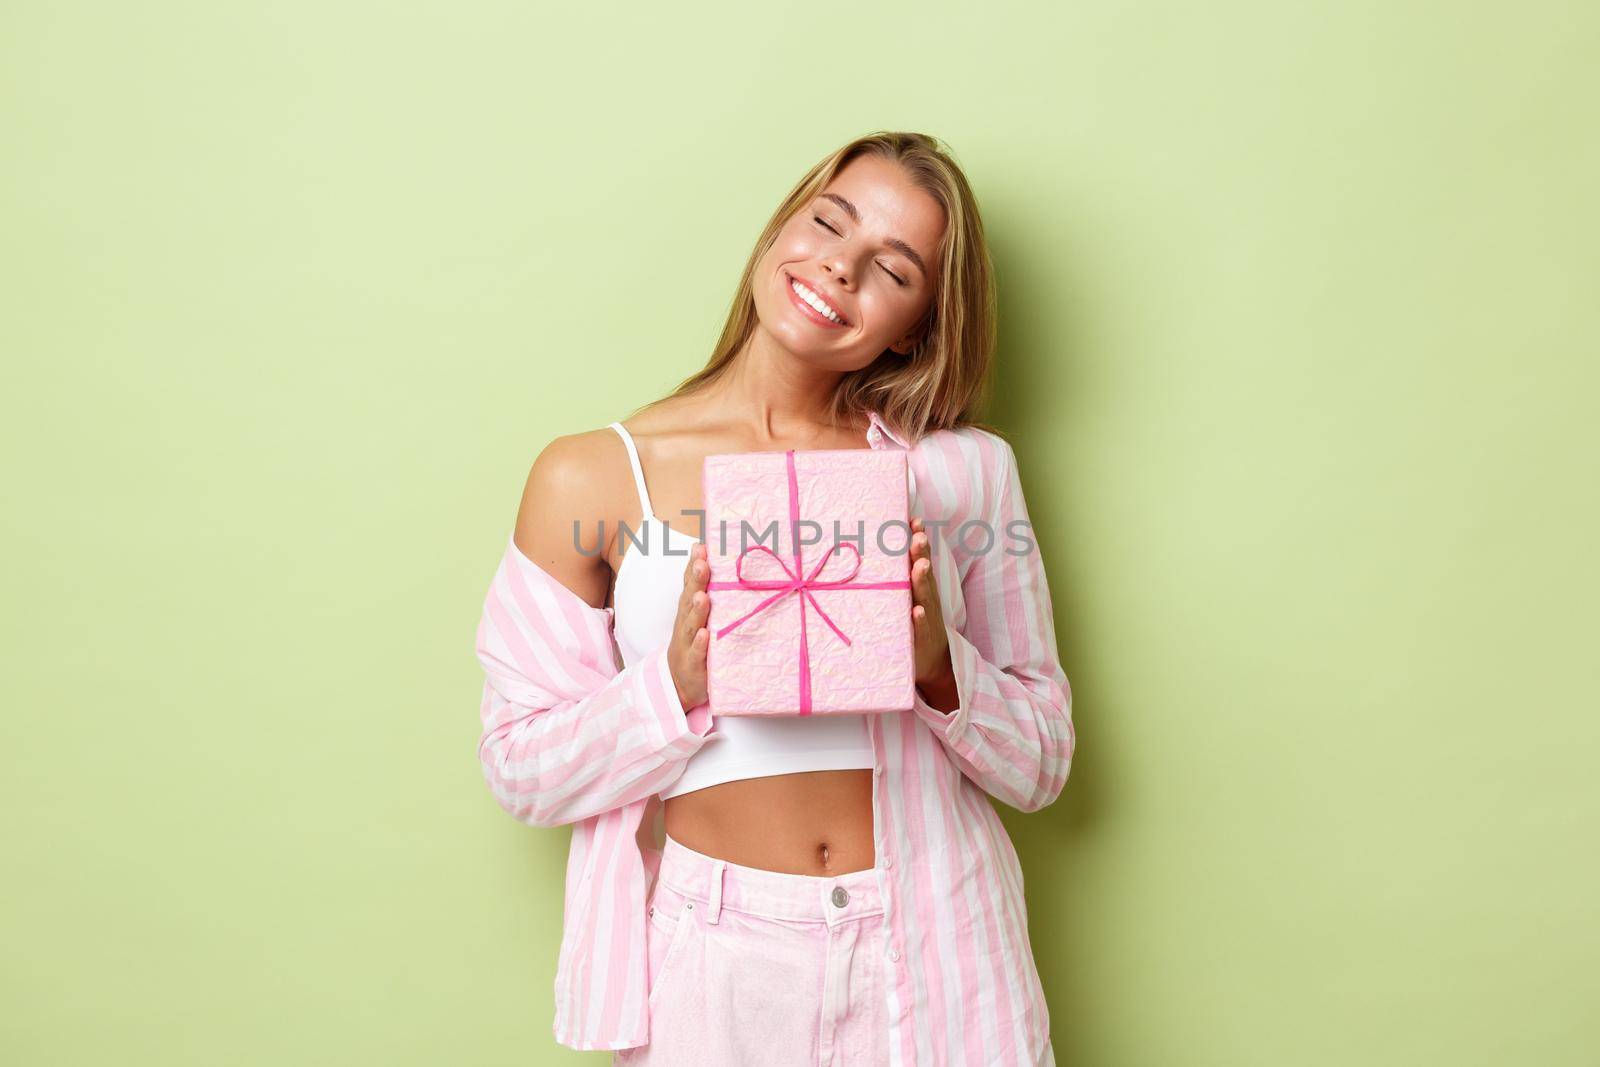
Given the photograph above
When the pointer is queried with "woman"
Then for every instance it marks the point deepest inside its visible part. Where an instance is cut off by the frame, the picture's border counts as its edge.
(828, 889)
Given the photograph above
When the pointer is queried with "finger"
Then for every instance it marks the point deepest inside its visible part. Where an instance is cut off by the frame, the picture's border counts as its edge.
(922, 581)
(919, 546)
(694, 616)
(685, 621)
(701, 596)
(696, 576)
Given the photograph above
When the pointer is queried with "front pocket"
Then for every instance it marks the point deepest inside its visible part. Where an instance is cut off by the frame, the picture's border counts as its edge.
(667, 932)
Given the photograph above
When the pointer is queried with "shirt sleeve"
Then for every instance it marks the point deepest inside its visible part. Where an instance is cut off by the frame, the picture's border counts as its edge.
(1011, 731)
(567, 732)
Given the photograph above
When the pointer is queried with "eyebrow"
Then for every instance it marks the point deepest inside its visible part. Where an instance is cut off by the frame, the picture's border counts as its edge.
(893, 242)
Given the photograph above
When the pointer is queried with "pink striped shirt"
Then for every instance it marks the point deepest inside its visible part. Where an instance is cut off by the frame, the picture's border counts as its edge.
(571, 736)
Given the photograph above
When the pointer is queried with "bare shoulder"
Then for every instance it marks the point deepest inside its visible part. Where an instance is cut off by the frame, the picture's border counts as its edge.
(670, 422)
(572, 487)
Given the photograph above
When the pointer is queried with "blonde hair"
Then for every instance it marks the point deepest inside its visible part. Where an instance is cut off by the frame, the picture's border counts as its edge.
(946, 379)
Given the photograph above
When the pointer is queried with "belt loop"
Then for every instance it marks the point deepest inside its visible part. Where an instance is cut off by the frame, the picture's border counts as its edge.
(714, 908)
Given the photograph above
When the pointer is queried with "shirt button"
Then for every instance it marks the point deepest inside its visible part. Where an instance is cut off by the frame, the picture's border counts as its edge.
(888, 861)
(840, 897)
(894, 955)
(878, 770)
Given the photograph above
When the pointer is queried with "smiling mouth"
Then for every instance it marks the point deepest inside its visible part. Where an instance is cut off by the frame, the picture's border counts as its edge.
(805, 295)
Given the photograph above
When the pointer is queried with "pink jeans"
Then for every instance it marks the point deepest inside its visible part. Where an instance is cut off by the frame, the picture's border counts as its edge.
(757, 967)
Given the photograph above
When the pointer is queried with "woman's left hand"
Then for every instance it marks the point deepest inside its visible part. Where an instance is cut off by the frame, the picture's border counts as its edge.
(935, 674)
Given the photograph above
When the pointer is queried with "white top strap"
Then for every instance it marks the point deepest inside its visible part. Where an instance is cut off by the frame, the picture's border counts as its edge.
(638, 471)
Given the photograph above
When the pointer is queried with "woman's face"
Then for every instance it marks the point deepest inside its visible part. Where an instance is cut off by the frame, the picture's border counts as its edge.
(867, 247)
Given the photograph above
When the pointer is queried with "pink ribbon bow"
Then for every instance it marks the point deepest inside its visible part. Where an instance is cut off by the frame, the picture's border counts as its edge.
(794, 583)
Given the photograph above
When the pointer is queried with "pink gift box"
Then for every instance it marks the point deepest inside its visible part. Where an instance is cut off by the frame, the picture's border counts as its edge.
(810, 582)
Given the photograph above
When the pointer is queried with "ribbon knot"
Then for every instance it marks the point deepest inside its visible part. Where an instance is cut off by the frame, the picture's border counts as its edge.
(791, 583)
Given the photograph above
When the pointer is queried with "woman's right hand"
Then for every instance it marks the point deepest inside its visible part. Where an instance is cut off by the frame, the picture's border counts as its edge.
(686, 651)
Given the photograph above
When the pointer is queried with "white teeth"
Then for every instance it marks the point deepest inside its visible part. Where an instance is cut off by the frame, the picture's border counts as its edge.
(815, 301)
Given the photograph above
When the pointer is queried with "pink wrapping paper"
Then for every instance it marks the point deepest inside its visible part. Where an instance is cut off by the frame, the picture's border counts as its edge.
(825, 634)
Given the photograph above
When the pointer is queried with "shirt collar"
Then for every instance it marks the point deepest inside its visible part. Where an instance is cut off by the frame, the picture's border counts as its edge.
(878, 427)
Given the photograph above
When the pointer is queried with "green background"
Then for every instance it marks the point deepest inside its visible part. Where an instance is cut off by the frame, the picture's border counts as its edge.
(1298, 353)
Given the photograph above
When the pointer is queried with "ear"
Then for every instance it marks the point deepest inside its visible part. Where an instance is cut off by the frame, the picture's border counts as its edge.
(914, 336)
(907, 344)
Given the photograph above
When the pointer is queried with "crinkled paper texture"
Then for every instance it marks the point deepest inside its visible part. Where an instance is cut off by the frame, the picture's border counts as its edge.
(755, 668)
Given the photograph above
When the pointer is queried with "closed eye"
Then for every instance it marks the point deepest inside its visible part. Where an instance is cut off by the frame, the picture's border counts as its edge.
(818, 218)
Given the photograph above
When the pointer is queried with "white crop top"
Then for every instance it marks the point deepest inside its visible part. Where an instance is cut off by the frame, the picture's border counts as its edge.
(644, 607)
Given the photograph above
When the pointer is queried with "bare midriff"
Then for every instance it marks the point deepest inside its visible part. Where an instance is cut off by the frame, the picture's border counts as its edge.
(805, 822)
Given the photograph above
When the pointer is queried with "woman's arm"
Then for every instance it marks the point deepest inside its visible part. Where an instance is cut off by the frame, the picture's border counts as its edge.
(567, 733)
(1011, 729)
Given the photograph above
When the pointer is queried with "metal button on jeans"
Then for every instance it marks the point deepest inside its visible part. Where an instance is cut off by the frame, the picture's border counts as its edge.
(840, 897)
